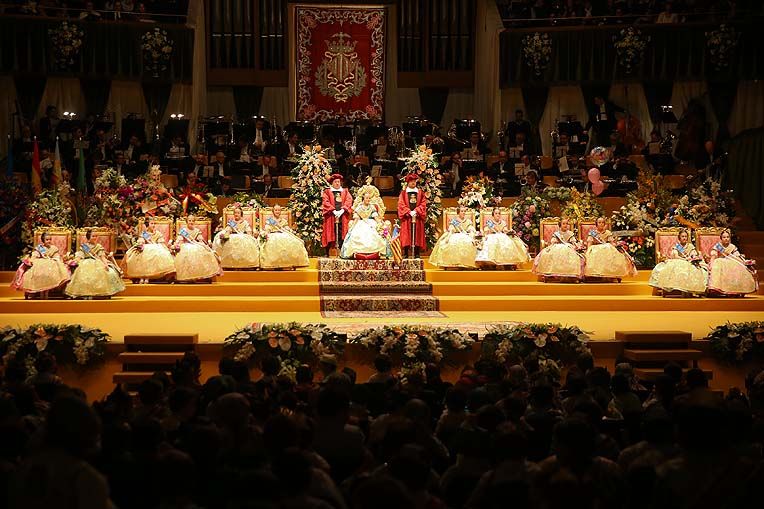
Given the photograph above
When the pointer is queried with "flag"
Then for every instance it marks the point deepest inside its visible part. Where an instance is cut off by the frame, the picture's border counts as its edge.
(56, 177)
(9, 163)
(81, 173)
(36, 171)
(395, 246)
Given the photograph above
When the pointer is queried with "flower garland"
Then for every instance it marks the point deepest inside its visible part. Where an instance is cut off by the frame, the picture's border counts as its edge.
(736, 343)
(66, 41)
(721, 45)
(292, 343)
(415, 345)
(74, 345)
(707, 204)
(310, 174)
(477, 192)
(49, 208)
(537, 51)
(424, 163)
(551, 344)
(527, 212)
(630, 47)
(157, 50)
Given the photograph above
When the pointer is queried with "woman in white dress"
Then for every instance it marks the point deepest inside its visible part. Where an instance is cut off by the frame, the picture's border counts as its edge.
(684, 271)
(456, 247)
(603, 260)
(149, 258)
(363, 235)
(42, 271)
(195, 261)
(501, 246)
(560, 260)
(731, 274)
(96, 275)
(236, 244)
(282, 249)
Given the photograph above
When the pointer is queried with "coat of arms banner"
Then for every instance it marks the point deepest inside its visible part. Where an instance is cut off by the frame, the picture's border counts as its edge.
(340, 62)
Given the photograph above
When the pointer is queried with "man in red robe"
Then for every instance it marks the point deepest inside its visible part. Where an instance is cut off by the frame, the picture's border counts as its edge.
(337, 207)
(412, 208)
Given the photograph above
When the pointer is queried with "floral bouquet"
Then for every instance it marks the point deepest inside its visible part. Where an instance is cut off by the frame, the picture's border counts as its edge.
(551, 344)
(310, 174)
(736, 343)
(527, 212)
(477, 193)
(245, 199)
(423, 163)
(630, 47)
(537, 51)
(66, 40)
(292, 343)
(707, 204)
(561, 194)
(157, 50)
(721, 44)
(581, 205)
(74, 345)
(49, 208)
(415, 345)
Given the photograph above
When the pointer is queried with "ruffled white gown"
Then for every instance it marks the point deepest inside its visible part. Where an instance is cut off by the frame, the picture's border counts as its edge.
(282, 249)
(362, 236)
(236, 246)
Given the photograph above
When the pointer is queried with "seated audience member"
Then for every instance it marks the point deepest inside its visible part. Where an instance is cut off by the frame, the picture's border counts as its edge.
(452, 171)
(477, 149)
(532, 182)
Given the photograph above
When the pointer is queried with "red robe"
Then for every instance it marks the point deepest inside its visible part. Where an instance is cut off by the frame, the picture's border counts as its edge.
(404, 214)
(327, 208)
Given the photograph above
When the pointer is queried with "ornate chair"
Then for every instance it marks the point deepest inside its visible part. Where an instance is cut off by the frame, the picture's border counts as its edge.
(248, 213)
(452, 212)
(705, 239)
(547, 227)
(665, 240)
(101, 235)
(60, 237)
(487, 212)
(267, 212)
(585, 225)
(164, 225)
(204, 224)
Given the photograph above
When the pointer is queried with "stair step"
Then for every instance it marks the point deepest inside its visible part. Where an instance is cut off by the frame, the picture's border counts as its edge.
(662, 355)
(162, 339)
(150, 357)
(331, 264)
(652, 373)
(389, 302)
(371, 275)
(662, 336)
(131, 377)
(375, 287)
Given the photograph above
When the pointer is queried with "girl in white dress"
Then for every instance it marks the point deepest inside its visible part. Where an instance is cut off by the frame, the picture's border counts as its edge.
(501, 246)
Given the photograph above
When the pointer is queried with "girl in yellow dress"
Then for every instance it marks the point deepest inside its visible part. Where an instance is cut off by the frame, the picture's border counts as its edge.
(456, 247)
(195, 260)
(282, 249)
(731, 273)
(363, 236)
(561, 259)
(42, 271)
(150, 257)
(96, 275)
(236, 244)
(603, 259)
(683, 271)
(501, 246)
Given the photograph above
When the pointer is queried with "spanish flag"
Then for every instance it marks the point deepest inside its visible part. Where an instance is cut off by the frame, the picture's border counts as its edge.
(56, 177)
(395, 246)
(36, 170)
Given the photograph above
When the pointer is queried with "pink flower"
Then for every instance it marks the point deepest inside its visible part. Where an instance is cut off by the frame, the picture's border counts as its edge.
(527, 224)
(532, 209)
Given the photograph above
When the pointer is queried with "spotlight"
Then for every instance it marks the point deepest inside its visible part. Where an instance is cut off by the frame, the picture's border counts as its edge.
(177, 116)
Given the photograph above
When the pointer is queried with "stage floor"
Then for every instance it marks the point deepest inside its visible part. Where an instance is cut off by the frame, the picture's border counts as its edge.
(467, 299)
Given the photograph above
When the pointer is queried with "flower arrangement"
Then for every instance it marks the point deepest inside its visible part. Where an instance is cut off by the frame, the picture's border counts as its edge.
(49, 208)
(74, 345)
(551, 344)
(310, 174)
(580, 205)
(477, 192)
(527, 213)
(561, 194)
(424, 163)
(157, 50)
(630, 47)
(537, 51)
(736, 343)
(245, 199)
(415, 345)
(707, 204)
(292, 343)
(66, 41)
(721, 45)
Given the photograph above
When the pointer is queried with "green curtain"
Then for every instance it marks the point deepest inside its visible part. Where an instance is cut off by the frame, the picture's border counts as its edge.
(744, 172)
(433, 101)
(247, 100)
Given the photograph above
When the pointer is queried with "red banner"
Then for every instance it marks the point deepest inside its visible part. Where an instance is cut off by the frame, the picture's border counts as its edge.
(340, 62)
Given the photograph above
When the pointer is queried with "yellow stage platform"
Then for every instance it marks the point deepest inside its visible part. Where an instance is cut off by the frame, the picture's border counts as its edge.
(475, 297)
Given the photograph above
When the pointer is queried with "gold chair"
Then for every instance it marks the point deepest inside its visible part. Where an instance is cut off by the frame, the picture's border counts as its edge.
(248, 213)
(486, 213)
(164, 225)
(60, 236)
(585, 225)
(452, 212)
(665, 240)
(706, 239)
(100, 235)
(547, 227)
(204, 224)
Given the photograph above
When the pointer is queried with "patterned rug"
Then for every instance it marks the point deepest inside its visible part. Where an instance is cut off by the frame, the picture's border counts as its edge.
(374, 286)
(382, 314)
